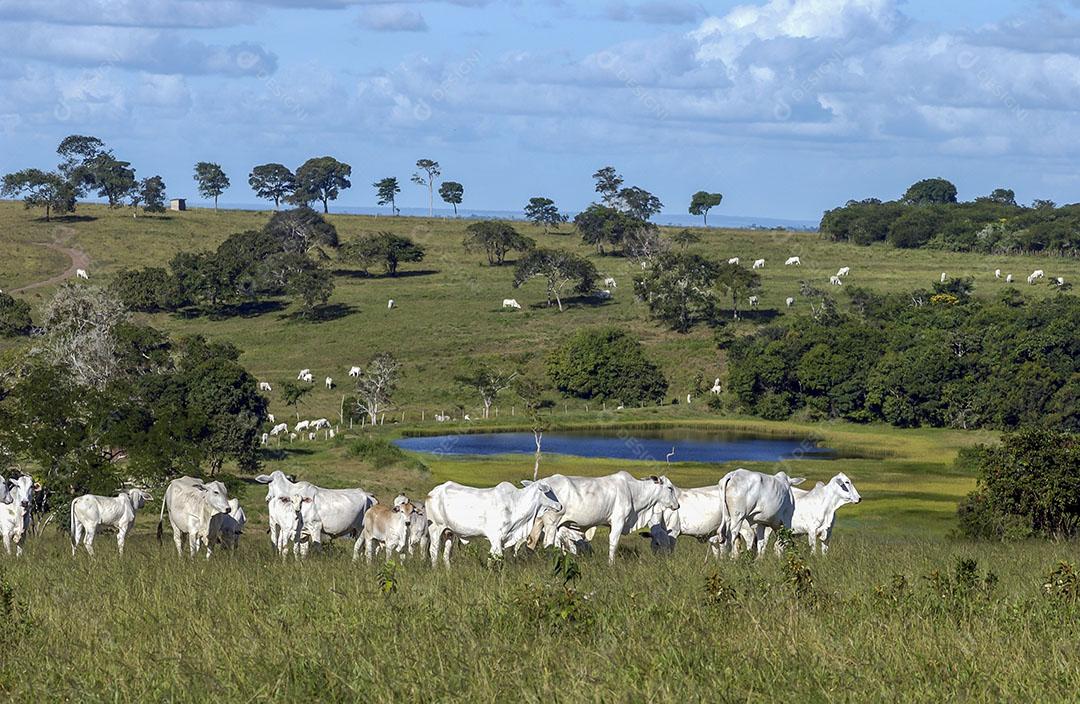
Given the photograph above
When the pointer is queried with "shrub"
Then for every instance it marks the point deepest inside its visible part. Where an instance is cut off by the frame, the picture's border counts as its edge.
(147, 290)
(381, 454)
(605, 364)
(14, 316)
(1063, 584)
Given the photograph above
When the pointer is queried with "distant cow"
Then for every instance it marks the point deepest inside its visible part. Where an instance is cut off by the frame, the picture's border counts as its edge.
(192, 504)
(90, 512)
(264, 386)
(997, 273)
(943, 277)
(81, 273)
(320, 424)
(302, 426)
(329, 383)
(789, 301)
(1009, 279)
(354, 372)
(753, 301)
(302, 374)
(733, 260)
(759, 264)
(610, 282)
(793, 261)
(843, 271)
(279, 429)
(511, 303)
(390, 304)
(835, 281)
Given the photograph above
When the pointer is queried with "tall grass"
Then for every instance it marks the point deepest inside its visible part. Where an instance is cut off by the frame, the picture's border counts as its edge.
(249, 627)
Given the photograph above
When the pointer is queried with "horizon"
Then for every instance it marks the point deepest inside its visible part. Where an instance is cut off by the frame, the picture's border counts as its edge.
(818, 102)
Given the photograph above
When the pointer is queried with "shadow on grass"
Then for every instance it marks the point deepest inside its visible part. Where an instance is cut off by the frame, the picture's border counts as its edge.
(277, 454)
(67, 218)
(759, 315)
(360, 274)
(322, 314)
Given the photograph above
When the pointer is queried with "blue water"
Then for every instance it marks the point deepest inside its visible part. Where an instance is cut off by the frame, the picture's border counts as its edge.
(646, 445)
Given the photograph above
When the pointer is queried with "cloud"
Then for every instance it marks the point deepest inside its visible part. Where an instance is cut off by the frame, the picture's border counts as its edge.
(392, 18)
(655, 11)
(130, 13)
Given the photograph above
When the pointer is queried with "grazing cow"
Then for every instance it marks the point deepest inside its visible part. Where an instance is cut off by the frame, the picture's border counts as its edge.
(329, 383)
(336, 512)
(386, 526)
(192, 505)
(302, 425)
(610, 282)
(835, 281)
(753, 301)
(750, 499)
(265, 438)
(270, 418)
(603, 294)
(320, 424)
(354, 372)
(698, 515)
(230, 525)
(265, 386)
(789, 301)
(759, 264)
(716, 387)
(843, 271)
(511, 303)
(309, 378)
(793, 261)
(1060, 280)
(390, 304)
(943, 277)
(997, 273)
(81, 273)
(1009, 279)
(619, 501)
(1038, 274)
(733, 260)
(302, 374)
(503, 514)
(279, 429)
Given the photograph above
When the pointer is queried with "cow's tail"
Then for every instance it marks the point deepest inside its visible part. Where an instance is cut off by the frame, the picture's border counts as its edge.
(161, 516)
(71, 524)
(723, 533)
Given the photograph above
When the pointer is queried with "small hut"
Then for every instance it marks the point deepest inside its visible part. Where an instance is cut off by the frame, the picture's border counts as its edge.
(178, 204)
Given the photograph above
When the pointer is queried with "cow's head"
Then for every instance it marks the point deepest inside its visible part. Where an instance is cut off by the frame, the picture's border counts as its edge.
(215, 495)
(22, 490)
(547, 499)
(668, 499)
(845, 489)
(791, 481)
(138, 498)
(404, 510)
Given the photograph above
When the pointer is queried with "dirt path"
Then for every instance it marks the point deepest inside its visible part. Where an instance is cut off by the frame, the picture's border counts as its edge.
(79, 260)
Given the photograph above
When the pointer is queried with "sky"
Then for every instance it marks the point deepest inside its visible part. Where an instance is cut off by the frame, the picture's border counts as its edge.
(787, 107)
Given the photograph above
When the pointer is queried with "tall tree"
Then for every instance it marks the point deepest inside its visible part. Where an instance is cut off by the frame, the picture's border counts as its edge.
(542, 211)
(113, 179)
(151, 193)
(376, 385)
(737, 281)
(211, 180)
(76, 151)
(80, 333)
(677, 288)
(495, 238)
(685, 237)
(322, 179)
(41, 189)
(272, 181)
(292, 395)
(601, 225)
(431, 173)
(608, 183)
(703, 201)
(384, 247)
(452, 192)
(930, 191)
(639, 203)
(386, 191)
(486, 380)
(562, 271)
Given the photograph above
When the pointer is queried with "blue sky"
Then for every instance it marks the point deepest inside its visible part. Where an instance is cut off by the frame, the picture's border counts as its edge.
(788, 107)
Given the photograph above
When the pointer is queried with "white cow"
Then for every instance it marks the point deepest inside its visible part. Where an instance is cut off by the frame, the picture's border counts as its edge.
(733, 260)
(1009, 279)
(354, 372)
(81, 273)
(716, 389)
(320, 424)
(698, 515)
(329, 383)
(418, 526)
(750, 499)
(835, 281)
(619, 501)
(503, 514)
(943, 277)
(279, 429)
(511, 303)
(308, 378)
(793, 261)
(789, 301)
(610, 282)
(759, 264)
(302, 374)
(14, 524)
(815, 511)
(287, 515)
(270, 418)
(230, 525)
(336, 512)
(192, 504)
(997, 273)
(265, 438)
(390, 304)
(302, 426)
(843, 271)
(385, 526)
(1060, 280)
(265, 386)
(753, 301)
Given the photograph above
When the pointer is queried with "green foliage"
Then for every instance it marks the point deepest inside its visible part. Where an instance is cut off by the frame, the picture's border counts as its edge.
(151, 194)
(301, 230)
(1028, 485)
(386, 190)
(930, 191)
(452, 192)
(564, 565)
(562, 271)
(718, 592)
(40, 189)
(14, 316)
(678, 289)
(602, 225)
(639, 203)
(383, 454)
(543, 211)
(292, 395)
(211, 180)
(383, 248)
(430, 173)
(496, 239)
(274, 182)
(1062, 584)
(147, 290)
(702, 202)
(685, 237)
(387, 579)
(738, 282)
(321, 179)
(605, 364)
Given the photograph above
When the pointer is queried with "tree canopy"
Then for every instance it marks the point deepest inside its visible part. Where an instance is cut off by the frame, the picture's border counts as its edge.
(452, 192)
(562, 271)
(211, 180)
(605, 364)
(496, 239)
(702, 202)
(321, 179)
(384, 248)
(272, 181)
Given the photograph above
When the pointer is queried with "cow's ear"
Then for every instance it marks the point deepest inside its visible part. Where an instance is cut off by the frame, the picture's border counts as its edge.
(200, 487)
(526, 482)
(263, 479)
(796, 481)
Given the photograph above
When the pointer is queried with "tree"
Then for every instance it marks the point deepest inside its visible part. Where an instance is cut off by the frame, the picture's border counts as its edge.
(146, 290)
(703, 201)
(600, 225)
(322, 179)
(314, 285)
(302, 229)
(386, 190)
(14, 317)
(76, 151)
(80, 325)
(272, 181)
(384, 247)
(738, 282)
(530, 392)
(608, 182)
(376, 385)
(452, 192)
(113, 179)
(678, 289)
(542, 211)
(292, 395)
(211, 180)
(431, 173)
(639, 203)
(930, 191)
(41, 189)
(486, 380)
(1002, 196)
(685, 237)
(495, 238)
(151, 193)
(606, 364)
(562, 271)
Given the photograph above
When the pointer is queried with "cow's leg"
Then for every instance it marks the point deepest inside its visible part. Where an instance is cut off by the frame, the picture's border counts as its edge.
(613, 540)
(90, 534)
(121, 537)
(762, 535)
(360, 543)
(811, 539)
(7, 543)
(434, 536)
(178, 540)
(824, 537)
(76, 537)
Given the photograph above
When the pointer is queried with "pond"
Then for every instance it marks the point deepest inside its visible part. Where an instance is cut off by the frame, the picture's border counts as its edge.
(628, 444)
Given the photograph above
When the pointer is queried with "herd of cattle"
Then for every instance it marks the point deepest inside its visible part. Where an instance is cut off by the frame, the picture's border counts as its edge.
(557, 511)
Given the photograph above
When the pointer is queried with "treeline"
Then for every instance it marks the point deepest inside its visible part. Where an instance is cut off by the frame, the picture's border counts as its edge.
(928, 215)
(949, 361)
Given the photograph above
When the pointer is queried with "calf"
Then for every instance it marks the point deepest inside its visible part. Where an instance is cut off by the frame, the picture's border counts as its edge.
(230, 526)
(90, 512)
(386, 526)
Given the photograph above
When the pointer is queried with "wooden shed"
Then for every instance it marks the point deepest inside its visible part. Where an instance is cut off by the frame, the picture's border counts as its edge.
(178, 204)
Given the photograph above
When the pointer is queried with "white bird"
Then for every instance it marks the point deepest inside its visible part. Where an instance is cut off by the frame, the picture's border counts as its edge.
(670, 455)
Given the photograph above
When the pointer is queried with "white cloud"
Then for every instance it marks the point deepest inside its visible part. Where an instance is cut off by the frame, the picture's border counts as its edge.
(392, 18)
